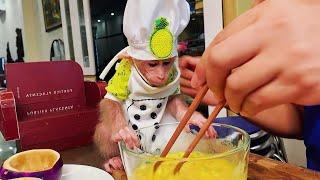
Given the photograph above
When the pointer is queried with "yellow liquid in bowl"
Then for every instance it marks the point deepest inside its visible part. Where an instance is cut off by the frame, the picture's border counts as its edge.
(221, 169)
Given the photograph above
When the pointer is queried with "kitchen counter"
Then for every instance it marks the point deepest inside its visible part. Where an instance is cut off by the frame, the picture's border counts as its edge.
(259, 167)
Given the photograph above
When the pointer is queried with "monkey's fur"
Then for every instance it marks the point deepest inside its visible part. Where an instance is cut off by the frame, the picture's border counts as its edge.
(111, 120)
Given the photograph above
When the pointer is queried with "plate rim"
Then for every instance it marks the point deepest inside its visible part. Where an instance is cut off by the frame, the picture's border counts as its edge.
(86, 166)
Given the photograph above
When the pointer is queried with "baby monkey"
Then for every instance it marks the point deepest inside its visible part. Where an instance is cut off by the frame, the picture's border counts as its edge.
(116, 125)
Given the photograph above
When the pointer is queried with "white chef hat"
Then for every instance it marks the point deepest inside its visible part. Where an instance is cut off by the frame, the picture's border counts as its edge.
(153, 26)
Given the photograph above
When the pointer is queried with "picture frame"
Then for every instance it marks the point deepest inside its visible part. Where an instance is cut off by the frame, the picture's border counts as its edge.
(51, 14)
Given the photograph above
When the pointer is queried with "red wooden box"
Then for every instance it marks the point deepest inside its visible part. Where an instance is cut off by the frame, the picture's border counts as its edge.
(48, 105)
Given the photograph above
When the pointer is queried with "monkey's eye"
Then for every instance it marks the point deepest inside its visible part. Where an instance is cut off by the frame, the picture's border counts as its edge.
(166, 63)
(152, 64)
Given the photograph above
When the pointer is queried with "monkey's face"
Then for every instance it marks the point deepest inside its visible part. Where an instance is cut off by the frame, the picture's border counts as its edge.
(156, 72)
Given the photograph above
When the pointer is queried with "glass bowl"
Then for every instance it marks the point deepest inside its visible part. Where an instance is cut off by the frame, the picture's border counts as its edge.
(224, 157)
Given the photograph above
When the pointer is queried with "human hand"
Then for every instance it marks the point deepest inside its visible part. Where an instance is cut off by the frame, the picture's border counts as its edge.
(265, 58)
(187, 65)
(128, 136)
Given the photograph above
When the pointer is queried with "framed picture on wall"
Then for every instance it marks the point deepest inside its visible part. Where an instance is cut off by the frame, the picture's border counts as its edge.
(51, 14)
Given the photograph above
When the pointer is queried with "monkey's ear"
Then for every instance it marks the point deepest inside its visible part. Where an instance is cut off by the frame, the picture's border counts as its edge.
(129, 59)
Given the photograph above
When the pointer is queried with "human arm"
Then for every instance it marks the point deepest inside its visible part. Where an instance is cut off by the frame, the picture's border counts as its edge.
(265, 58)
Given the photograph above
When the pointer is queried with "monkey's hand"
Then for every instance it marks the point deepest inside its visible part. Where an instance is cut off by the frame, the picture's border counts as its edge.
(199, 120)
(129, 137)
(113, 164)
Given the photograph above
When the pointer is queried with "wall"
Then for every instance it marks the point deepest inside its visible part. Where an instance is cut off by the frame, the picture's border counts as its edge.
(233, 8)
(30, 32)
(46, 38)
(37, 40)
(11, 20)
(213, 24)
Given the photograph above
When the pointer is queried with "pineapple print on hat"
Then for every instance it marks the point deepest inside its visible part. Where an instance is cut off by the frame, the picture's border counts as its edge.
(161, 41)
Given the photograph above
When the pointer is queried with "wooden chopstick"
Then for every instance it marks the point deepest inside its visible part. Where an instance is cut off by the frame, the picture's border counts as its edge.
(201, 133)
(192, 108)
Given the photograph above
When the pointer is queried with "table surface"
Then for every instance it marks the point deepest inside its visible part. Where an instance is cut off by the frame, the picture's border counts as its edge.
(259, 167)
